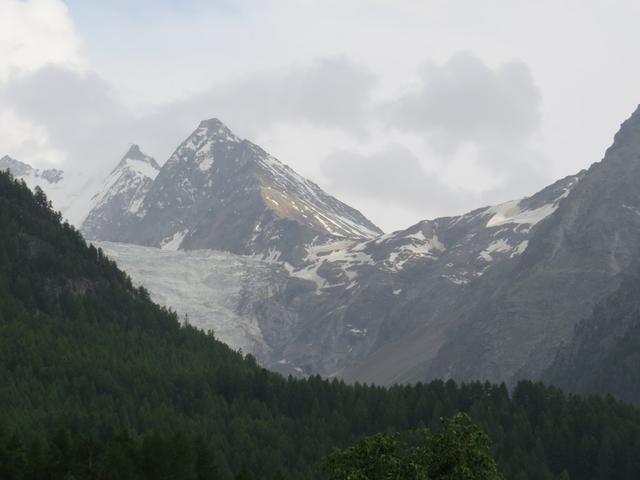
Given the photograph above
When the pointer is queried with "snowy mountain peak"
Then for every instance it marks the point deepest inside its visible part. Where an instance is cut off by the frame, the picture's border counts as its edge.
(134, 153)
(214, 129)
(199, 146)
(214, 124)
(138, 162)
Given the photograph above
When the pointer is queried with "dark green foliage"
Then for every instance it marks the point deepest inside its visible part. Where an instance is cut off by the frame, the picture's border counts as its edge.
(98, 382)
(120, 457)
(459, 451)
(378, 457)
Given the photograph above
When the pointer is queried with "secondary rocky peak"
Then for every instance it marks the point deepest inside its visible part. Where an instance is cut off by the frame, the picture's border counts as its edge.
(134, 153)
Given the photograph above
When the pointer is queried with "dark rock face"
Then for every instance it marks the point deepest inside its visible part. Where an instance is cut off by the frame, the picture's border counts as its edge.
(118, 204)
(220, 192)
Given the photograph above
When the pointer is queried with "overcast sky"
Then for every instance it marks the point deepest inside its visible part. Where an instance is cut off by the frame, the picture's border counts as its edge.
(406, 109)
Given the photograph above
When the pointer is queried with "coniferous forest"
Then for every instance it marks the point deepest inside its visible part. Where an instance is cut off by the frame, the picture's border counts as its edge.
(98, 382)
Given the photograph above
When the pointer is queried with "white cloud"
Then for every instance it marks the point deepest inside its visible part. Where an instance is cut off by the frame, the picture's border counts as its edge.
(464, 100)
(78, 118)
(34, 33)
(85, 120)
(481, 123)
(302, 79)
(66, 117)
(392, 177)
(332, 92)
(23, 137)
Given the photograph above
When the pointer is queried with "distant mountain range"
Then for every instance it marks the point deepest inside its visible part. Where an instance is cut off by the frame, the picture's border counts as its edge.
(312, 286)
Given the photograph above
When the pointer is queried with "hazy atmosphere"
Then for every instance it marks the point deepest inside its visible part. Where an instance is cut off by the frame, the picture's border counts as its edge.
(406, 110)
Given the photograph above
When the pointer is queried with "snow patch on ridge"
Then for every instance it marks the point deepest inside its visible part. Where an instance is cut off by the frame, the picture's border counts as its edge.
(510, 212)
(419, 247)
(496, 246)
(340, 254)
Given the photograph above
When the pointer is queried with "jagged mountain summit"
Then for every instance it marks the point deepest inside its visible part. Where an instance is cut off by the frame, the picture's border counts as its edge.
(220, 192)
(119, 201)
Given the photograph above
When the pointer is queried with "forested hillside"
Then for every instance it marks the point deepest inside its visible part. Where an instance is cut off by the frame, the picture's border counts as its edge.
(99, 382)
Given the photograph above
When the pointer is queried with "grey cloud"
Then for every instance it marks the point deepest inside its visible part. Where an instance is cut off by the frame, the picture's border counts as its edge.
(519, 167)
(392, 176)
(84, 118)
(464, 100)
(496, 112)
(78, 111)
(330, 93)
